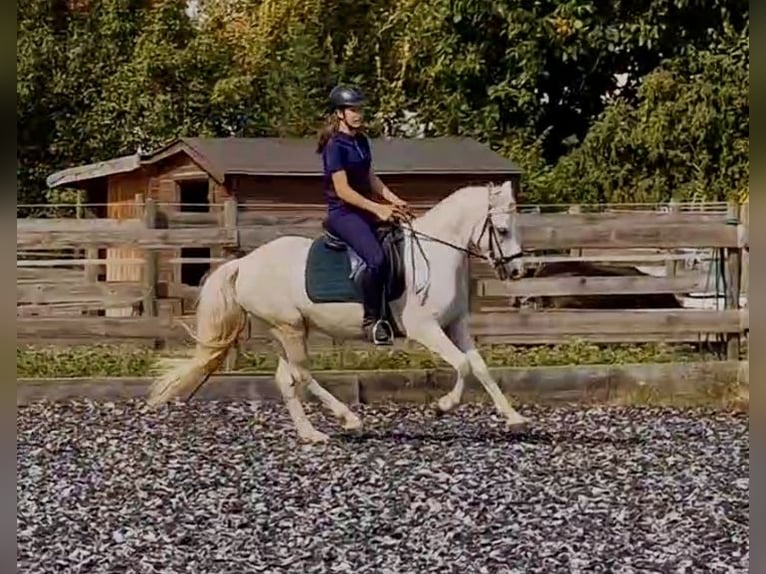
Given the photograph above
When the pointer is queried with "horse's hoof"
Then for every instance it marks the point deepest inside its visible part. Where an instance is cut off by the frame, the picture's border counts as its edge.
(518, 424)
(352, 423)
(314, 437)
(443, 406)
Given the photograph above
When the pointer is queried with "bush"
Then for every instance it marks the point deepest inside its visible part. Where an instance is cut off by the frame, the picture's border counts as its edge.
(94, 361)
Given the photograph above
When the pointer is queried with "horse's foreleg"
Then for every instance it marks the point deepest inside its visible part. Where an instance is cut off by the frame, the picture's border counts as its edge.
(479, 368)
(465, 362)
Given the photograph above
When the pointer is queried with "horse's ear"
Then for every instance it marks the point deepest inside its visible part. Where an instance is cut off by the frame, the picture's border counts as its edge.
(502, 195)
(507, 187)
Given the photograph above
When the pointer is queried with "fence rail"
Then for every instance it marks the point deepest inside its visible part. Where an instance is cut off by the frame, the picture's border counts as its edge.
(539, 231)
(65, 282)
(530, 325)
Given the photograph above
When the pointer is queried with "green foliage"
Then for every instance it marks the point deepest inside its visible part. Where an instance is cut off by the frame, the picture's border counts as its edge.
(64, 60)
(123, 361)
(95, 361)
(686, 136)
(535, 80)
(480, 68)
(575, 352)
(165, 89)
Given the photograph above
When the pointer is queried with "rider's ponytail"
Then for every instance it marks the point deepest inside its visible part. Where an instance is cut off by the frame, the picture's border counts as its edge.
(327, 131)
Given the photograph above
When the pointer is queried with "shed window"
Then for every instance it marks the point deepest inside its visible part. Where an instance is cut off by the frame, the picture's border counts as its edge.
(192, 273)
(194, 195)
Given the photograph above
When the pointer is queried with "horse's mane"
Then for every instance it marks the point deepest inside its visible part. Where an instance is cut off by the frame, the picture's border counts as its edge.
(468, 195)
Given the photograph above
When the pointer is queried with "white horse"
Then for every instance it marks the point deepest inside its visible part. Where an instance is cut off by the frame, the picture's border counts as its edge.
(269, 284)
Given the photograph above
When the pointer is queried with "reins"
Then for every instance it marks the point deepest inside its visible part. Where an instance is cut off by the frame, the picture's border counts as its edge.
(414, 232)
(494, 242)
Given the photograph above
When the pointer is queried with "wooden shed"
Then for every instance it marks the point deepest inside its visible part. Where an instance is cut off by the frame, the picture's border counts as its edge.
(264, 175)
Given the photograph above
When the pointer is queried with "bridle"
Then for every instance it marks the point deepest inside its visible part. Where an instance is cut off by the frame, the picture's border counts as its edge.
(495, 257)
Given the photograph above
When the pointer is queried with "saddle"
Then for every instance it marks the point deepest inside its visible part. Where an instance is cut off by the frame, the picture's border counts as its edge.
(391, 238)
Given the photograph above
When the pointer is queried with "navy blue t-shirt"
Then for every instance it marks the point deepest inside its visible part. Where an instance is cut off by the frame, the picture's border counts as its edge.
(352, 154)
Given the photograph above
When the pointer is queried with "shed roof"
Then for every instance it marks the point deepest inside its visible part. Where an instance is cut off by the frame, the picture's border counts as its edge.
(96, 170)
(296, 156)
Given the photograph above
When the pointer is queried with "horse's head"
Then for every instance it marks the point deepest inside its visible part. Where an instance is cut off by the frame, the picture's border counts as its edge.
(498, 237)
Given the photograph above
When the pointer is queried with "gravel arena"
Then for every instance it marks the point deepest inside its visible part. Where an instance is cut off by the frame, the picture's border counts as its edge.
(225, 487)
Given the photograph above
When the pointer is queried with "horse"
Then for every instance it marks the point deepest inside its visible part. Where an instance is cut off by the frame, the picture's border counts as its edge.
(598, 301)
(294, 284)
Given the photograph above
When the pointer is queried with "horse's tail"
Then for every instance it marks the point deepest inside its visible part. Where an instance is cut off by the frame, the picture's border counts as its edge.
(220, 320)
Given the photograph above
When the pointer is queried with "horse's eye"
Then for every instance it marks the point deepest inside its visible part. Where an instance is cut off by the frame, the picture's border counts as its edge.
(503, 231)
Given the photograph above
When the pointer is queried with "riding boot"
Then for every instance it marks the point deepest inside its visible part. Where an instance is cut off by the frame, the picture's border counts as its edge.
(375, 326)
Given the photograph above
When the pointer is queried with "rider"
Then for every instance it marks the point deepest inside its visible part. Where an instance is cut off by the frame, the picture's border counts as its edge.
(350, 187)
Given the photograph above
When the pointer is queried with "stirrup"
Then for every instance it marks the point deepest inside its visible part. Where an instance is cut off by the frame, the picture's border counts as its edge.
(374, 331)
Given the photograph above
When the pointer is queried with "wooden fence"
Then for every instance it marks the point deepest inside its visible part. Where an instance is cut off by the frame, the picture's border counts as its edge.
(59, 301)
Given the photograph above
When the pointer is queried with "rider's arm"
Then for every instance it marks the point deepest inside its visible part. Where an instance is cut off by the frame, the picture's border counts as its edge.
(349, 195)
(382, 190)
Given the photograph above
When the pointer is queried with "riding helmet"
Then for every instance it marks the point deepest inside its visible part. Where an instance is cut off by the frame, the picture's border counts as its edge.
(343, 97)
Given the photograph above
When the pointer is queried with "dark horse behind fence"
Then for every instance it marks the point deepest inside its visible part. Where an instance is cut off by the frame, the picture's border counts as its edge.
(610, 301)
(714, 343)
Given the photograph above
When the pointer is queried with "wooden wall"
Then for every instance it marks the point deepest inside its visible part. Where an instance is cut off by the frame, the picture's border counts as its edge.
(122, 190)
(164, 186)
(285, 191)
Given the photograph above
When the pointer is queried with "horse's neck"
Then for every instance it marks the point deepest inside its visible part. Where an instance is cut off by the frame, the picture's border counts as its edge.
(454, 218)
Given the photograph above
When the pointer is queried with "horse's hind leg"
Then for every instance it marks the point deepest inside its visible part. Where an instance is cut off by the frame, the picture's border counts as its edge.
(287, 386)
(294, 363)
(348, 419)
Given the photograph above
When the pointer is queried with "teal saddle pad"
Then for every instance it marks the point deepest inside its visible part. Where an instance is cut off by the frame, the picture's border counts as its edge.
(327, 275)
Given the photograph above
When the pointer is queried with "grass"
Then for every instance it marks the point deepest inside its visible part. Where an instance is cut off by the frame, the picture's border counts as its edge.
(124, 361)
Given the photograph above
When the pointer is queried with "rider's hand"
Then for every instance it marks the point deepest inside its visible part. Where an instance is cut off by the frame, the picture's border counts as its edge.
(399, 202)
(404, 210)
(403, 207)
(385, 211)
(392, 212)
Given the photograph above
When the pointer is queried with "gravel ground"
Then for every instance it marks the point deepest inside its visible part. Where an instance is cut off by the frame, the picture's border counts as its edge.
(226, 487)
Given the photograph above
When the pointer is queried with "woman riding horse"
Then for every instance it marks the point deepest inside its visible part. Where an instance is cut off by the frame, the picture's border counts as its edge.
(351, 188)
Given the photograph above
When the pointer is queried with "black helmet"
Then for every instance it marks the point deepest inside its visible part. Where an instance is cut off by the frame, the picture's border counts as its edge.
(342, 97)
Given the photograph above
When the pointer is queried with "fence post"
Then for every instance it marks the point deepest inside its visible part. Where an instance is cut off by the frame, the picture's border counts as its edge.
(671, 265)
(734, 273)
(230, 214)
(90, 253)
(744, 217)
(150, 262)
(575, 210)
(230, 221)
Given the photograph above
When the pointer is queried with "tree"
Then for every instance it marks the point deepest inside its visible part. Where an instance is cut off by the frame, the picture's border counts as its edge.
(536, 80)
(65, 57)
(687, 136)
(166, 88)
(490, 69)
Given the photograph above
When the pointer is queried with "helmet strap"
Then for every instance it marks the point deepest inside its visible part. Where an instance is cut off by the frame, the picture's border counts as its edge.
(345, 123)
